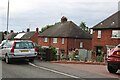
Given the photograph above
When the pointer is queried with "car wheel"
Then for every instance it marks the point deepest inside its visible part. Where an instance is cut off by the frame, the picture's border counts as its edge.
(112, 69)
(7, 60)
(31, 60)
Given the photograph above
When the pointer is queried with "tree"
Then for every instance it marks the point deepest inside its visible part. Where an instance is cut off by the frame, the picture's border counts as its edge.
(84, 27)
(46, 27)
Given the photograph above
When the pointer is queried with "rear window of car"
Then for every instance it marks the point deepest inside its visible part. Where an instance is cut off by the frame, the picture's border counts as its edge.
(24, 45)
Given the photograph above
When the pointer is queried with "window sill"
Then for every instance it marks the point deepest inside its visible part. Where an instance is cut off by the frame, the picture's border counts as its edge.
(98, 38)
(115, 37)
(55, 42)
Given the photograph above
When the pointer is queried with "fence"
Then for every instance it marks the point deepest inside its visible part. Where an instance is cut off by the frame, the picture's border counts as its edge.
(84, 55)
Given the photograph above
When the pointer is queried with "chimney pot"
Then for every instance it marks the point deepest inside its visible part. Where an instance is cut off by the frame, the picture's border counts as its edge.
(37, 29)
(63, 19)
(11, 31)
(28, 30)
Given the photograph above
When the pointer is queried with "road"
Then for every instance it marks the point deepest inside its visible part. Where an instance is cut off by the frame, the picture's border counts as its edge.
(38, 69)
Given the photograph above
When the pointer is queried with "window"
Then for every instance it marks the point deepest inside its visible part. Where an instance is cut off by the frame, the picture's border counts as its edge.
(54, 40)
(62, 40)
(115, 33)
(24, 45)
(81, 44)
(99, 34)
(45, 39)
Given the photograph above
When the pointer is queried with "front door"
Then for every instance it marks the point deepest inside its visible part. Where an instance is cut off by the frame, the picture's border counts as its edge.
(99, 50)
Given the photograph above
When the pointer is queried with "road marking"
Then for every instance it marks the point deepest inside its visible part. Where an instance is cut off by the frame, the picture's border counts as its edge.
(53, 70)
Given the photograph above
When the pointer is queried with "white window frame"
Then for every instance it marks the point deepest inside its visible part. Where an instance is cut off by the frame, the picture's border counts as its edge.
(54, 40)
(81, 44)
(99, 34)
(63, 40)
(45, 39)
(115, 33)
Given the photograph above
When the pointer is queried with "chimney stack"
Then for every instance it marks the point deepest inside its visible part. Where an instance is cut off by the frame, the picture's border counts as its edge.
(37, 29)
(28, 30)
(63, 19)
(11, 31)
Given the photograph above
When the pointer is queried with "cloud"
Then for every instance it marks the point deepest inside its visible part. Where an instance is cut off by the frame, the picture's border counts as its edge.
(38, 13)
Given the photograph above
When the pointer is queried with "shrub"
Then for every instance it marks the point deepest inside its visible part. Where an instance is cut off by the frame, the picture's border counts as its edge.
(99, 59)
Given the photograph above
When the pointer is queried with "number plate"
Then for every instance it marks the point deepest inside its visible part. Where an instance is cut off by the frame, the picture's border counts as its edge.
(24, 50)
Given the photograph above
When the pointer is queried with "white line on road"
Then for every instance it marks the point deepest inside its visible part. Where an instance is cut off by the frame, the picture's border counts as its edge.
(53, 71)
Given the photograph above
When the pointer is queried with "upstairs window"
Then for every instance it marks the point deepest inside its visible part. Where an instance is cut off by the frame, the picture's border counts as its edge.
(54, 40)
(115, 33)
(62, 40)
(45, 39)
(99, 34)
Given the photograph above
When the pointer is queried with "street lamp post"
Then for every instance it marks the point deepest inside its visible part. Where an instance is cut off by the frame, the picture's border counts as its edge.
(7, 19)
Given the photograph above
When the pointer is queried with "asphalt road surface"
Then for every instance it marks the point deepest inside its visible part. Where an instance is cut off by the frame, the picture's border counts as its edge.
(38, 69)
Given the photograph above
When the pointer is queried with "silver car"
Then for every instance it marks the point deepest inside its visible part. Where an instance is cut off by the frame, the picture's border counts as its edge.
(18, 49)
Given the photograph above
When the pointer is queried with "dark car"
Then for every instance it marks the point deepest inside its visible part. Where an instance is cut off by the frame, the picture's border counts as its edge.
(114, 60)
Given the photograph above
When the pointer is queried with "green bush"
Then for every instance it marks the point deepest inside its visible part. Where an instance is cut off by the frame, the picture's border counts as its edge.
(53, 51)
(99, 59)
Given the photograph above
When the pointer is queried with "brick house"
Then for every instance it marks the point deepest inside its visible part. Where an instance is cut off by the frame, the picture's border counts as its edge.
(106, 34)
(65, 35)
(29, 35)
(11, 35)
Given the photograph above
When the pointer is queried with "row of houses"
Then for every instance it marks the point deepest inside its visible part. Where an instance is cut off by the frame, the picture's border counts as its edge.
(28, 35)
(66, 35)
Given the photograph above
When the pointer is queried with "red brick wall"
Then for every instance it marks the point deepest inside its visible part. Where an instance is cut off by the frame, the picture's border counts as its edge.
(50, 43)
(34, 38)
(87, 44)
(59, 43)
(71, 43)
(42, 43)
(104, 40)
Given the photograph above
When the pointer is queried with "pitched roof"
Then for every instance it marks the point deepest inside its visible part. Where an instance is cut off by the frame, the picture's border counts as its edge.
(111, 22)
(19, 35)
(24, 35)
(67, 29)
(28, 35)
(10, 35)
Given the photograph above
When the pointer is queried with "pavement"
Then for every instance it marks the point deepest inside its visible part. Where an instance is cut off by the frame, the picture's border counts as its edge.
(78, 62)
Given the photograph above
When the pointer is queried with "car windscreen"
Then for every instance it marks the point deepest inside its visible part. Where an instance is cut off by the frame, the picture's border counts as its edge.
(24, 45)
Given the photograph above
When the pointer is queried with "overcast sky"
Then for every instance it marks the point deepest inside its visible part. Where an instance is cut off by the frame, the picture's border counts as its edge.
(39, 13)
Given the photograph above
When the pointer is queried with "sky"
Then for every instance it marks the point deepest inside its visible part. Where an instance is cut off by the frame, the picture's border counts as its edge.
(39, 13)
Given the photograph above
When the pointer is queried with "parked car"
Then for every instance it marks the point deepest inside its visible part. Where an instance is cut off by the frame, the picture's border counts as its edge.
(18, 49)
(2, 43)
(114, 59)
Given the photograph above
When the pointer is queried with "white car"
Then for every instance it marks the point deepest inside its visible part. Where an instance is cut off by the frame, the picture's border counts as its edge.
(18, 49)
(2, 43)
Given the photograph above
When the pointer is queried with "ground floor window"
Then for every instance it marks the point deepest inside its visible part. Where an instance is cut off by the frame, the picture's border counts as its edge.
(81, 44)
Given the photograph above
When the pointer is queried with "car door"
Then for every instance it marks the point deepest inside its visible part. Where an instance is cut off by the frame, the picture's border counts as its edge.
(4, 49)
(0, 51)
